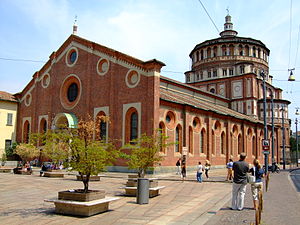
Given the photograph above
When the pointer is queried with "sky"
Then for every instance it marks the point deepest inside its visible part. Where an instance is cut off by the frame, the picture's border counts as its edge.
(167, 30)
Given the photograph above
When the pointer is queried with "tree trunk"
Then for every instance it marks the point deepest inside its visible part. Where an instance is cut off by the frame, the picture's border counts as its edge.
(141, 173)
(85, 180)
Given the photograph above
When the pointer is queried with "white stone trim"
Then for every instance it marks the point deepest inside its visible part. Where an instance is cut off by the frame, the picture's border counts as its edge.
(97, 66)
(79, 94)
(23, 121)
(127, 79)
(42, 78)
(138, 107)
(30, 99)
(67, 56)
(104, 109)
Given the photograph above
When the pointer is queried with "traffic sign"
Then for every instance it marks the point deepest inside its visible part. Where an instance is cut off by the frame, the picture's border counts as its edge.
(266, 144)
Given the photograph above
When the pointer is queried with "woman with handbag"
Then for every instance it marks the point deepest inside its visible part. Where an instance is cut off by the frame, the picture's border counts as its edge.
(257, 184)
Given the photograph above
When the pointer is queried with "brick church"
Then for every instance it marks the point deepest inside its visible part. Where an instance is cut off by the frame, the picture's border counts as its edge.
(215, 115)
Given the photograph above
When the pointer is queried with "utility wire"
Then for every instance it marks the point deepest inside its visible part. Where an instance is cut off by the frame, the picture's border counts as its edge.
(291, 7)
(22, 60)
(209, 16)
(297, 47)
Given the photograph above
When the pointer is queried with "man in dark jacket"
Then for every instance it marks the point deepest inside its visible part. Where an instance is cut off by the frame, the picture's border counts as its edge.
(240, 169)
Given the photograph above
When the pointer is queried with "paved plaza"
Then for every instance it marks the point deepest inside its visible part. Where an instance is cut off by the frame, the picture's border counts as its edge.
(22, 200)
(180, 203)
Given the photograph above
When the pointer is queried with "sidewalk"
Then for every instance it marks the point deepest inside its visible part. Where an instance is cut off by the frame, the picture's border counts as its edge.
(281, 205)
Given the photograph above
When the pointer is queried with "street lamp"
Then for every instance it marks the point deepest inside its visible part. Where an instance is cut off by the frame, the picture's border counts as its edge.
(291, 77)
(262, 74)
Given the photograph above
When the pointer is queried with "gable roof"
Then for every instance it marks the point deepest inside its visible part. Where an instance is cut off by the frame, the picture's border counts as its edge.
(5, 96)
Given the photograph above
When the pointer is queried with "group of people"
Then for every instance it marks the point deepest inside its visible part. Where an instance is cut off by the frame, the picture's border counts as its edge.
(240, 172)
(237, 172)
(181, 169)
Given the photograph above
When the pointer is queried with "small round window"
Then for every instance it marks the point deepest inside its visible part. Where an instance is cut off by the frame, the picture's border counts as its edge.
(170, 119)
(102, 66)
(132, 78)
(72, 92)
(71, 57)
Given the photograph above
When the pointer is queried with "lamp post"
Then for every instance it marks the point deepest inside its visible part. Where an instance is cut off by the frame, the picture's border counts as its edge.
(283, 138)
(265, 120)
(272, 110)
(296, 122)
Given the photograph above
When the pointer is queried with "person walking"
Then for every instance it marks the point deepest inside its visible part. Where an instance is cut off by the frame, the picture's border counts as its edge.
(199, 172)
(229, 166)
(183, 170)
(178, 166)
(240, 169)
(256, 187)
(207, 168)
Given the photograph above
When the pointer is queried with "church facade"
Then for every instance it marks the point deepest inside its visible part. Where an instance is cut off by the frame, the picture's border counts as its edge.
(215, 115)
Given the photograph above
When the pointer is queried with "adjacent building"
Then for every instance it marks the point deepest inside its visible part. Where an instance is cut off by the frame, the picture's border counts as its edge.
(8, 115)
(215, 115)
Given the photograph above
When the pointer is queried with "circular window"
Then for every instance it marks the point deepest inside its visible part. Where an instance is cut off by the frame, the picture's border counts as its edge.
(71, 56)
(102, 66)
(46, 80)
(196, 124)
(132, 78)
(170, 120)
(70, 92)
(28, 99)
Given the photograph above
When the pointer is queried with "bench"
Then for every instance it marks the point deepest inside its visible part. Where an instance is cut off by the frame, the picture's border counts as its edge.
(77, 208)
(153, 191)
(5, 170)
(53, 174)
(21, 171)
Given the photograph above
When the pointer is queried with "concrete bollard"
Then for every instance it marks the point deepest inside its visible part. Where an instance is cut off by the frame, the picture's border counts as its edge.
(142, 196)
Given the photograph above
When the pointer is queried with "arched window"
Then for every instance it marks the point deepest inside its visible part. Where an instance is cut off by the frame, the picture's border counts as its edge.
(224, 50)
(213, 143)
(102, 126)
(253, 146)
(161, 132)
(201, 55)
(202, 141)
(242, 69)
(241, 51)
(43, 126)
(102, 130)
(223, 147)
(240, 147)
(215, 51)
(133, 126)
(191, 140)
(178, 139)
(197, 56)
(231, 50)
(208, 52)
(26, 132)
(254, 52)
(247, 50)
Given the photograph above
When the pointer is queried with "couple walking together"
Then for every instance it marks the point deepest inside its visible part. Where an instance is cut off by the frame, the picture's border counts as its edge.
(240, 170)
(200, 170)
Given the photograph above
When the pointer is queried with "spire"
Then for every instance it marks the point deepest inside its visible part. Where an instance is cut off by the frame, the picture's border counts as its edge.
(228, 26)
(75, 26)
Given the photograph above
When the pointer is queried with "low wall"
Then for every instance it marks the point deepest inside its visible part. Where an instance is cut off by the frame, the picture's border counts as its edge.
(10, 163)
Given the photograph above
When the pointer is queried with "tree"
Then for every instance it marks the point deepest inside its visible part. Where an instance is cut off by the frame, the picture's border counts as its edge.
(145, 153)
(80, 149)
(27, 151)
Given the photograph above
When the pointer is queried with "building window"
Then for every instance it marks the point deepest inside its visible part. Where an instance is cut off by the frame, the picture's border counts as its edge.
(191, 140)
(201, 75)
(202, 135)
(9, 119)
(223, 143)
(161, 133)
(178, 139)
(215, 73)
(102, 130)
(73, 56)
(133, 126)
(26, 131)
(242, 69)
(72, 92)
(254, 52)
(224, 72)
(209, 74)
(212, 90)
(187, 78)
(230, 72)
(240, 146)
(201, 55)
(197, 76)
(7, 144)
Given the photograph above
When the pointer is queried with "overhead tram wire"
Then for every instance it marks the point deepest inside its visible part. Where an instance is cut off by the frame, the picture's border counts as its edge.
(22, 60)
(209, 16)
(290, 42)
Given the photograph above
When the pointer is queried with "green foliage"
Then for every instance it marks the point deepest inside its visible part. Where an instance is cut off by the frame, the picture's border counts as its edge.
(78, 147)
(10, 150)
(145, 153)
(27, 152)
(3, 158)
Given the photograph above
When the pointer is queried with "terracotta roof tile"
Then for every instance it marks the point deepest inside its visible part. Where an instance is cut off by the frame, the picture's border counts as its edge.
(7, 96)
